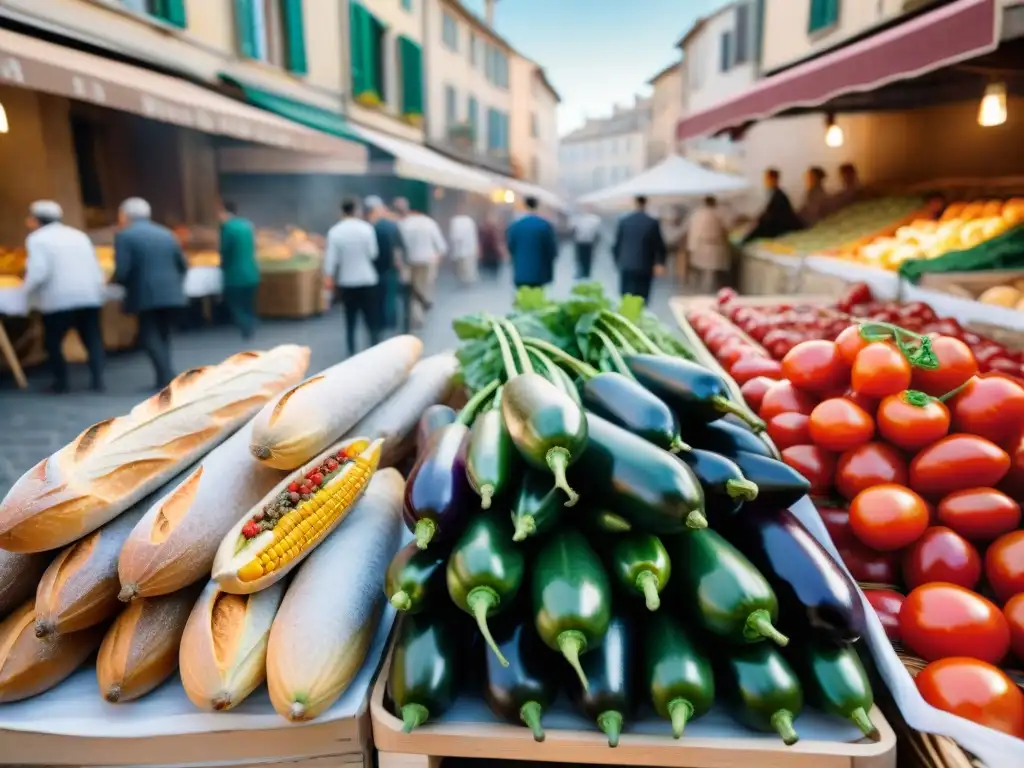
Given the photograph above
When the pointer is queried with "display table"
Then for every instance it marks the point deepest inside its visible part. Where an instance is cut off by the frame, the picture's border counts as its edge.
(830, 276)
(763, 272)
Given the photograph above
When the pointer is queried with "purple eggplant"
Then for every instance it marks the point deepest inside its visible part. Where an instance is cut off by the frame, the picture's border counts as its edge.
(435, 417)
(438, 496)
(811, 587)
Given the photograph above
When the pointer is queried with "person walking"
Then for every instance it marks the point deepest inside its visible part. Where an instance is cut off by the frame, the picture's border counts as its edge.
(350, 266)
(64, 281)
(239, 268)
(778, 216)
(492, 245)
(390, 260)
(465, 247)
(424, 248)
(586, 231)
(639, 251)
(707, 240)
(532, 247)
(149, 263)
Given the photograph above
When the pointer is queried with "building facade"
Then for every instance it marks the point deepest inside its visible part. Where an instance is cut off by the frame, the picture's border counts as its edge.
(605, 151)
(667, 99)
(534, 124)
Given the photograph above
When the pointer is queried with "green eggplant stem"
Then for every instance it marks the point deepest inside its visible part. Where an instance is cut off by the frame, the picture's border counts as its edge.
(486, 494)
(401, 600)
(480, 601)
(723, 404)
(612, 522)
(425, 531)
(629, 325)
(549, 370)
(530, 714)
(610, 723)
(413, 716)
(679, 712)
(613, 353)
(571, 643)
(469, 410)
(580, 368)
(647, 582)
(782, 722)
(557, 460)
(677, 445)
(696, 520)
(759, 626)
(507, 359)
(517, 345)
(526, 526)
(741, 489)
(623, 343)
(861, 720)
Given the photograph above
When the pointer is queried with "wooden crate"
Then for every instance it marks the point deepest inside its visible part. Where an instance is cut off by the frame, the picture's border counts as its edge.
(969, 284)
(293, 294)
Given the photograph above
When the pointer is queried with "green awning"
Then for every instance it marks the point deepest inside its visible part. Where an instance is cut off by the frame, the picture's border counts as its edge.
(298, 111)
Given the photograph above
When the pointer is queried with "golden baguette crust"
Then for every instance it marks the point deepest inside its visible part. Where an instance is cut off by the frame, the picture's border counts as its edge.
(30, 666)
(115, 463)
(19, 575)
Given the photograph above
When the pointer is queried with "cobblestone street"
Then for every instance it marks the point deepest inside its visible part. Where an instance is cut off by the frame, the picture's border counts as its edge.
(36, 424)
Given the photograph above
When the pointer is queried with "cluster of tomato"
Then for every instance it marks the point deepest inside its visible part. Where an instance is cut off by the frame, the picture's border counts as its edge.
(927, 457)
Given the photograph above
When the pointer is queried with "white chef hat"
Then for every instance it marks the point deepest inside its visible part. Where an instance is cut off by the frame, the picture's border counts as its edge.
(46, 210)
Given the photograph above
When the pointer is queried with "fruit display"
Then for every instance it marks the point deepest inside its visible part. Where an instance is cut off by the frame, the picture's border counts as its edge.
(12, 262)
(916, 462)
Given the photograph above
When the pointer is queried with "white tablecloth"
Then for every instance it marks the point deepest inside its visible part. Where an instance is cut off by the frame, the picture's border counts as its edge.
(885, 284)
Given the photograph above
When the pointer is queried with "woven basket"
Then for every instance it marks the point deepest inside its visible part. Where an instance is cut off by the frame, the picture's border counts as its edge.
(293, 294)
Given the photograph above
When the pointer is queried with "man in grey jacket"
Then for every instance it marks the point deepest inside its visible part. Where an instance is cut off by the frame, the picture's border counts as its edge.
(64, 281)
(150, 265)
(639, 251)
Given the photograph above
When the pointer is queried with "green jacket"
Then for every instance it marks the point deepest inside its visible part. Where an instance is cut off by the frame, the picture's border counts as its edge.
(238, 253)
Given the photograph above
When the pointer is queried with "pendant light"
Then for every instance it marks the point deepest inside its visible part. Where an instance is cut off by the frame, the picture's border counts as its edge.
(833, 133)
(992, 111)
(4, 125)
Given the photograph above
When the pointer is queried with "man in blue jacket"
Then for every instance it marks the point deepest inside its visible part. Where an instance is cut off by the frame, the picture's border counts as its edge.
(532, 247)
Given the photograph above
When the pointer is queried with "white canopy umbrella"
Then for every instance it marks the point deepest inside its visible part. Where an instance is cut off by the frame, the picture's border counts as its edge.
(674, 179)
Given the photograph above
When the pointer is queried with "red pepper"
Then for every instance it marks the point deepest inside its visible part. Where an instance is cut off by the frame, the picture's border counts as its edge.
(250, 530)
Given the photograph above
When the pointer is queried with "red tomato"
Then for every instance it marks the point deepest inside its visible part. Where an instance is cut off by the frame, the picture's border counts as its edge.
(868, 566)
(754, 390)
(839, 425)
(888, 517)
(910, 422)
(957, 462)
(940, 620)
(733, 350)
(783, 397)
(975, 691)
(956, 365)
(837, 521)
(868, 465)
(869, 404)
(746, 368)
(941, 554)
(979, 514)
(887, 604)
(880, 370)
(816, 366)
(814, 463)
(1004, 566)
(789, 429)
(992, 407)
(850, 342)
(1014, 613)
(718, 337)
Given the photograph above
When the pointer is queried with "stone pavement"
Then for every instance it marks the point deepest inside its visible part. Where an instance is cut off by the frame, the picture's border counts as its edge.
(36, 424)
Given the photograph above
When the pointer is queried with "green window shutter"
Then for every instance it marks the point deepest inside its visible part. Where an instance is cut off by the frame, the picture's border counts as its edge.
(412, 77)
(361, 49)
(294, 36)
(245, 28)
(171, 11)
(377, 32)
(824, 14)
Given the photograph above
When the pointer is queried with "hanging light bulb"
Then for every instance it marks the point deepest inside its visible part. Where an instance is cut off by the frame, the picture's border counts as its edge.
(833, 133)
(4, 125)
(992, 111)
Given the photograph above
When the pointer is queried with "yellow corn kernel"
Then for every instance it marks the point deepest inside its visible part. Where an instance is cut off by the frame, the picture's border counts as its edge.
(250, 571)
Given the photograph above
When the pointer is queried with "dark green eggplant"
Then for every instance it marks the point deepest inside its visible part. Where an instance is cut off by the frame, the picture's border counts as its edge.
(648, 486)
(571, 596)
(677, 675)
(521, 691)
(490, 457)
(760, 688)
(835, 681)
(725, 487)
(779, 486)
(423, 679)
(547, 427)
(695, 393)
(484, 573)
(537, 506)
(624, 402)
(415, 578)
(727, 439)
(639, 563)
(433, 418)
(730, 597)
(609, 669)
(604, 521)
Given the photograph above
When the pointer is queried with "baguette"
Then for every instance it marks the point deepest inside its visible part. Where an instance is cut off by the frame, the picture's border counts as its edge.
(174, 544)
(29, 666)
(140, 650)
(394, 420)
(280, 532)
(224, 649)
(19, 575)
(322, 632)
(302, 422)
(115, 463)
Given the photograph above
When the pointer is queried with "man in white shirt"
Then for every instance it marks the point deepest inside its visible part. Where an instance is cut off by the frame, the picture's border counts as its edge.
(65, 282)
(349, 267)
(424, 248)
(586, 229)
(465, 247)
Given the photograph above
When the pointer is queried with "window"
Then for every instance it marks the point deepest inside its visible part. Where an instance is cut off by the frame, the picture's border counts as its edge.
(407, 5)
(824, 14)
(449, 31)
(534, 126)
(271, 31)
(367, 55)
(410, 65)
(725, 52)
(496, 66)
(741, 37)
(474, 49)
(451, 106)
(171, 11)
(473, 116)
(497, 131)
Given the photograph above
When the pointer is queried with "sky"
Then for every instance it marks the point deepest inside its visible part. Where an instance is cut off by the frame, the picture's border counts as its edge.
(596, 52)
